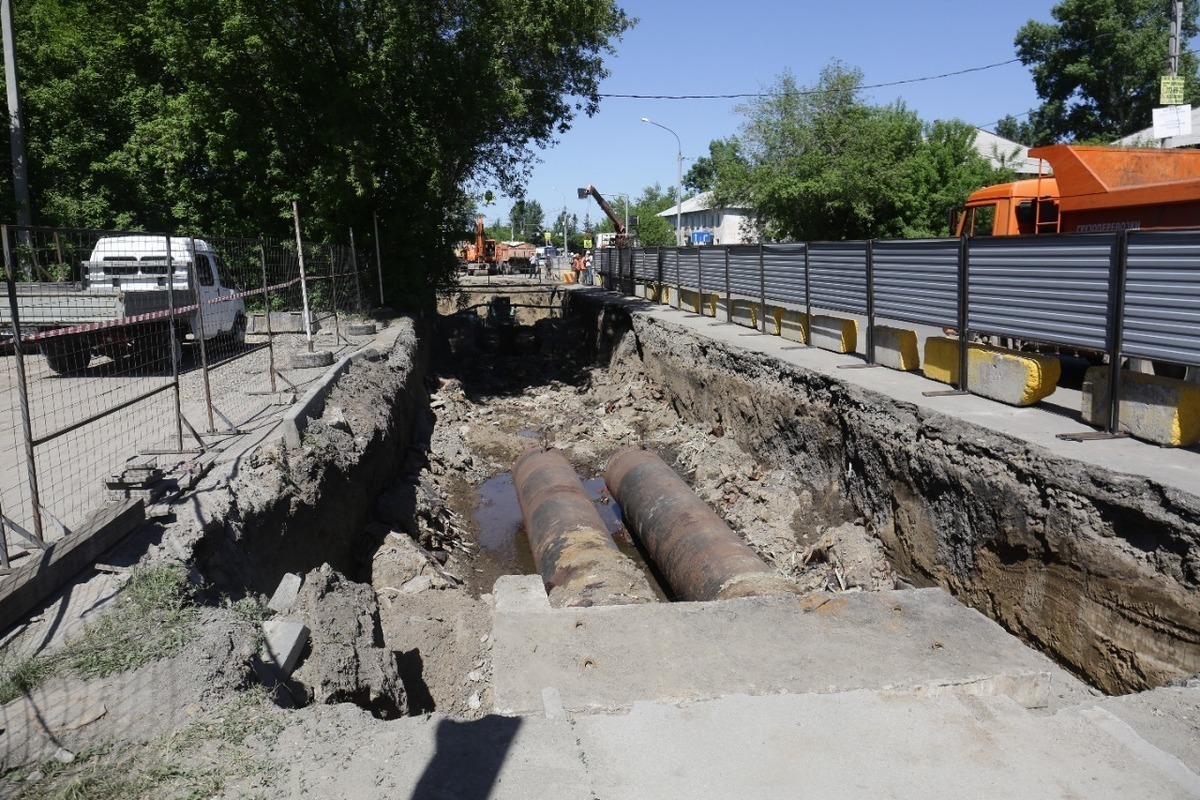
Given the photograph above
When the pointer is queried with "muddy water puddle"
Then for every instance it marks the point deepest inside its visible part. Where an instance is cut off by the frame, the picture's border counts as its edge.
(504, 546)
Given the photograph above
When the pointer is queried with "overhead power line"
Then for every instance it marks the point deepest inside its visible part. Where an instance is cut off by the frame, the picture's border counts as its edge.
(745, 95)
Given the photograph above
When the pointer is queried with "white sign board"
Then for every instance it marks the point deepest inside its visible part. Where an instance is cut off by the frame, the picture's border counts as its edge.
(1172, 121)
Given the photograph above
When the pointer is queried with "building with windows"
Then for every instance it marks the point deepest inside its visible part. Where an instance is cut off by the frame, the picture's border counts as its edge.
(704, 223)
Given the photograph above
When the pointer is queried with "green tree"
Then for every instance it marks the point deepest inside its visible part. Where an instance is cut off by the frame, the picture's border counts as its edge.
(214, 115)
(1024, 132)
(723, 154)
(1097, 66)
(527, 218)
(822, 164)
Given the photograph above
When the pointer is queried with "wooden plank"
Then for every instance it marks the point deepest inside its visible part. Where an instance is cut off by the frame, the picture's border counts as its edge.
(35, 580)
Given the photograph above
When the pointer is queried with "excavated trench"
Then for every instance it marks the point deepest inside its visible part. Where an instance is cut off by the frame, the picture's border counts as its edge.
(836, 488)
(1098, 570)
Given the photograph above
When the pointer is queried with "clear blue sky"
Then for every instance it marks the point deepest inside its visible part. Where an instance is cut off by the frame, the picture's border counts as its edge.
(729, 47)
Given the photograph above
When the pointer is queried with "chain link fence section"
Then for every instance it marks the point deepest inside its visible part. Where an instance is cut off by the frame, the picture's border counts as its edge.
(117, 346)
(89, 369)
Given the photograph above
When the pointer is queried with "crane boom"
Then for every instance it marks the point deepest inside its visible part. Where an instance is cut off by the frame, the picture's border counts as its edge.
(622, 234)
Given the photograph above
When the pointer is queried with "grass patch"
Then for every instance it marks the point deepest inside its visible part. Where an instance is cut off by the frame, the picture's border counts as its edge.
(152, 619)
(200, 761)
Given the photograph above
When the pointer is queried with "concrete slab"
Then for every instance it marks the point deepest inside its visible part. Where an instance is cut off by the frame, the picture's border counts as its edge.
(286, 592)
(283, 642)
(606, 659)
(872, 744)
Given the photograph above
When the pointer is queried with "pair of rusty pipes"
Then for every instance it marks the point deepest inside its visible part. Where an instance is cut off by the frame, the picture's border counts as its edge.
(697, 554)
(574, 553)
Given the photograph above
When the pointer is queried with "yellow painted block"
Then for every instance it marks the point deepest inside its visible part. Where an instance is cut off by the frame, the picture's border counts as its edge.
(896, 348)
(836, 334)
(712, 304)
(1165, 411)
(791, 325)
(744, 313)
(1008, 376)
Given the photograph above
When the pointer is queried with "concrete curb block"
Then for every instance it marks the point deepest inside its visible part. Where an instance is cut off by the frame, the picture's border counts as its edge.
(1164, 411)
(789, 324)
(312, 404)
(1007, 376)
(836, 334)
(896, 348)
(283, 642)
(745, 313)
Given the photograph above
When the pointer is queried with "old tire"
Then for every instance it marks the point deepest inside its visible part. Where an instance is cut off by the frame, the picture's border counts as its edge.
(68, 355)
(319, 358)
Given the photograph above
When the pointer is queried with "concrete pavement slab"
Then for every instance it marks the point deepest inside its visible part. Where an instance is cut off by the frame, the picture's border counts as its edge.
(873, 745)
(607, 658)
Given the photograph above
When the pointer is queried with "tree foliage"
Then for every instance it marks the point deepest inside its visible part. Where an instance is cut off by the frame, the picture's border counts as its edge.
(526, 220)
(1097, 67)
(822, 164)
(214, 115)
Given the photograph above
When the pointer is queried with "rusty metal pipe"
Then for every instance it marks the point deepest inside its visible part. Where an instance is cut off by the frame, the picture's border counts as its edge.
(573, 551)
(700, 557)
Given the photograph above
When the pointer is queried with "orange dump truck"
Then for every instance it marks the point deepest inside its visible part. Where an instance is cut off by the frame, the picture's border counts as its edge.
(1093, 189)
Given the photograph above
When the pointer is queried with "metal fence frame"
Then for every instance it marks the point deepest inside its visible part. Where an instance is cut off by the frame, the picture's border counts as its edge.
(262, 273)
(1123, 294)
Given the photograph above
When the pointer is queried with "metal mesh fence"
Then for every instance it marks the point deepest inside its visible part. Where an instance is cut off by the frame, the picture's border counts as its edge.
(119, 347)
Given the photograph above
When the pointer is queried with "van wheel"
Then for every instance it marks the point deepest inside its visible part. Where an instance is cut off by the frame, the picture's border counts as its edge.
(237, 336)
(164, 350)
(65, 356)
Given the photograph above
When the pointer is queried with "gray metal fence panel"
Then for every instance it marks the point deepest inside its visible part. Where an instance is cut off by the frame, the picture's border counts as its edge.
(1162, 296)
(637, 255)
(712, 264)
(784, 268)
(649, 269)
(604, 260)
(744, 270)
(838, 275)
(689, 268)
(916, 280)
(1052, 289)
(670, 265)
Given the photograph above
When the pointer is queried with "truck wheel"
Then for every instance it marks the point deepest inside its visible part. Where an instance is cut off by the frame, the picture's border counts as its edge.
(237, 336)
(165, 351)
(64, 356)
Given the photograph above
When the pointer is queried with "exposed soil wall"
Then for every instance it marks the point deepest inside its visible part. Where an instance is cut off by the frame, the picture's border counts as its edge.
(289, 510)
(1099, 569)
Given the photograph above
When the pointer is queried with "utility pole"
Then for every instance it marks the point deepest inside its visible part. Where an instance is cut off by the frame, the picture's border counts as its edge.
(1173, 42)
(16, 129)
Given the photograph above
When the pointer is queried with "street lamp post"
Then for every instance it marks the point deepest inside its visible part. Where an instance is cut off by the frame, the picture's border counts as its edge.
(678, 181)
(622, 194)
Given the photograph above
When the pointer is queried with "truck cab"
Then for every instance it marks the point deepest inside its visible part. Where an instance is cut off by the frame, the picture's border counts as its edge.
(1010, 209)
(1094, 189)
(131, 264)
